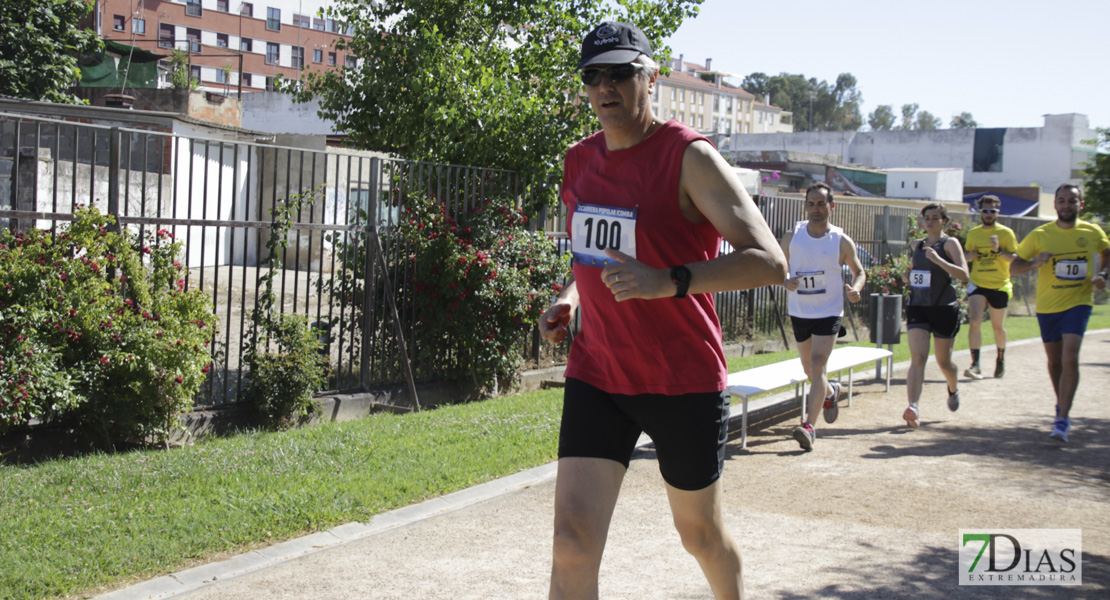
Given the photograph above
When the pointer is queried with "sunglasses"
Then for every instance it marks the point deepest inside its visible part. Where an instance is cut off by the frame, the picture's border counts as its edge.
(990, 211)
(616, 73)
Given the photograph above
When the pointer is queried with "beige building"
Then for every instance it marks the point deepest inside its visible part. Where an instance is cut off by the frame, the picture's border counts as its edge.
(703, 99)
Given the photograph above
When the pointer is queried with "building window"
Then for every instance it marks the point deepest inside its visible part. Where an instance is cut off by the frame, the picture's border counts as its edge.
(246, 9)
(716, 103)
(221, 40)
(317, 56)
(193, 35)
(681, 97)
(728, 105)
(349, 61)
(221, 76)
(655, 94)
(297, 57)
(771, 118)
(682, 117)
(331, 59)
(270, 84)
(701, 99)
(194, 72)
(273, 19)
(700, 122)
(715, 123)
(331, 26)
(245, 78)
(117, 22)
(673, 92)
(138, 26)
(271, 53)
(728, 126)
(221, 5)
(245, 44)
(302, 20)
(318, 24)
(192, 7)
(165, 35)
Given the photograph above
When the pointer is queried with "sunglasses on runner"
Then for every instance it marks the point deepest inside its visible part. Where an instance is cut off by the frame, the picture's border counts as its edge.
(988, 210)
(616, 73)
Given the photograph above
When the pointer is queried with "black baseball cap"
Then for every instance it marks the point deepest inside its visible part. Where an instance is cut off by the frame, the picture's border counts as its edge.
(613, 43)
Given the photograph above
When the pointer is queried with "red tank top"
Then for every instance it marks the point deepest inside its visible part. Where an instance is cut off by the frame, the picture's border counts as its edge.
(666, 346)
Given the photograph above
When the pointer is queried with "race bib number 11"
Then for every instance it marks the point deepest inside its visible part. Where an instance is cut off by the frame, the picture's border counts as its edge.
(595, 228)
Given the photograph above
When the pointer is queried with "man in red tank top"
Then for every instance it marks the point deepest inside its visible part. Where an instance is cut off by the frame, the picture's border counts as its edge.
(648, 204)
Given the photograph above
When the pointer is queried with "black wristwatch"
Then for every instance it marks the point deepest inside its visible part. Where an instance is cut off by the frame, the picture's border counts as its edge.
(680, 275)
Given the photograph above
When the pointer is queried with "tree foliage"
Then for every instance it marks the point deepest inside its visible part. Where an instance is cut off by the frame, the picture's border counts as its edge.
(39, 46)
(1096, 192)
(834, 107)
(909, 111)
(925, 121)
(963, 120)
(488, 84)
(882, 118)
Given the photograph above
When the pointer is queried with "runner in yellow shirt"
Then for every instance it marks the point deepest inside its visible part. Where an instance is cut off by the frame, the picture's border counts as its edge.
(990, 248)
(1071, 256)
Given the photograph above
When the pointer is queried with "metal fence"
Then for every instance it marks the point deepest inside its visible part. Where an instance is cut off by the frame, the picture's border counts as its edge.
(217, 198)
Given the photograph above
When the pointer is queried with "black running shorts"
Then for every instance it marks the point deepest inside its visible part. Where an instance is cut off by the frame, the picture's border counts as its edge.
(689, 431)
(996, 298)
(806, 328)
(942, 321)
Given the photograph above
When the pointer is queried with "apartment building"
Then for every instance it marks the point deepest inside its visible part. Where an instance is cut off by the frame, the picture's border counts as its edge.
(705, 100)
(230, 42)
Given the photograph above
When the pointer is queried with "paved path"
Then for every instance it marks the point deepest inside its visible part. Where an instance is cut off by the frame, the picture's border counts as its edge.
(873, 512)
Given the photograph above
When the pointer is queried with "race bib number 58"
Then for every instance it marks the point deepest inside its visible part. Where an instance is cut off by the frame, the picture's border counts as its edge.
(594, 228)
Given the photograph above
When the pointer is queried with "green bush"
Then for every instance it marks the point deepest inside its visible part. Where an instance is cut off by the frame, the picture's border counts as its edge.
(478, 286)
(283, 381)
(475, 287)
(284, 357)
(93, 337)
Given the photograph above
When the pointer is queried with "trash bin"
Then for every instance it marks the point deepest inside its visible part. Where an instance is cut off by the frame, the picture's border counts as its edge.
(886, 319)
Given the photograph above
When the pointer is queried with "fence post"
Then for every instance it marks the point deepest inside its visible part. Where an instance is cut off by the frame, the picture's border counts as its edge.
(113, 177)
(369, 280)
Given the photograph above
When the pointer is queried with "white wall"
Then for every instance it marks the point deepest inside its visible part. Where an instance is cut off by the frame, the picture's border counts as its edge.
(1031, 155)
(941, 185)
(274, 112)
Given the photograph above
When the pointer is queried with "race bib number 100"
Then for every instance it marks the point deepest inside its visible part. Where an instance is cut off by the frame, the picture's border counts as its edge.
(595, 228)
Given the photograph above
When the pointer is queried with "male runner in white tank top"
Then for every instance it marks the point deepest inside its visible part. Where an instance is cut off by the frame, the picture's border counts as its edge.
(816, 250)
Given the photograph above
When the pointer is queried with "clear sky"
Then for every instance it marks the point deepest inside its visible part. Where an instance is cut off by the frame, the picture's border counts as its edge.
(1007, 62)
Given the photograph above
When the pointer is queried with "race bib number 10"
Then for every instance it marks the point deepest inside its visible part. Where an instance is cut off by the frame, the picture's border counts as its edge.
(1071, 270)
(595, 228)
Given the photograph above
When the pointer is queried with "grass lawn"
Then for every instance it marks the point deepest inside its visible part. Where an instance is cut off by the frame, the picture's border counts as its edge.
(74, 526)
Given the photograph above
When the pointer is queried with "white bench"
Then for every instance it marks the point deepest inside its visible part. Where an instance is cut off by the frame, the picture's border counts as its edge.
(790, 372)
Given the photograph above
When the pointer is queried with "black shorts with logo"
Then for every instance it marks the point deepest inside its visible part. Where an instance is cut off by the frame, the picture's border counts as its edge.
(806, 328)
(689, 431)
(996, 298)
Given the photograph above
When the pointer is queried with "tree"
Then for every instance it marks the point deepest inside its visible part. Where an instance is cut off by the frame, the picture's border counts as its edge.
(963, 120)
(926, 121)
(817, 105)
(1096, 192)
(490, 84)
(39, 46)
(882, 118)
(908, 113)
(180, 77)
